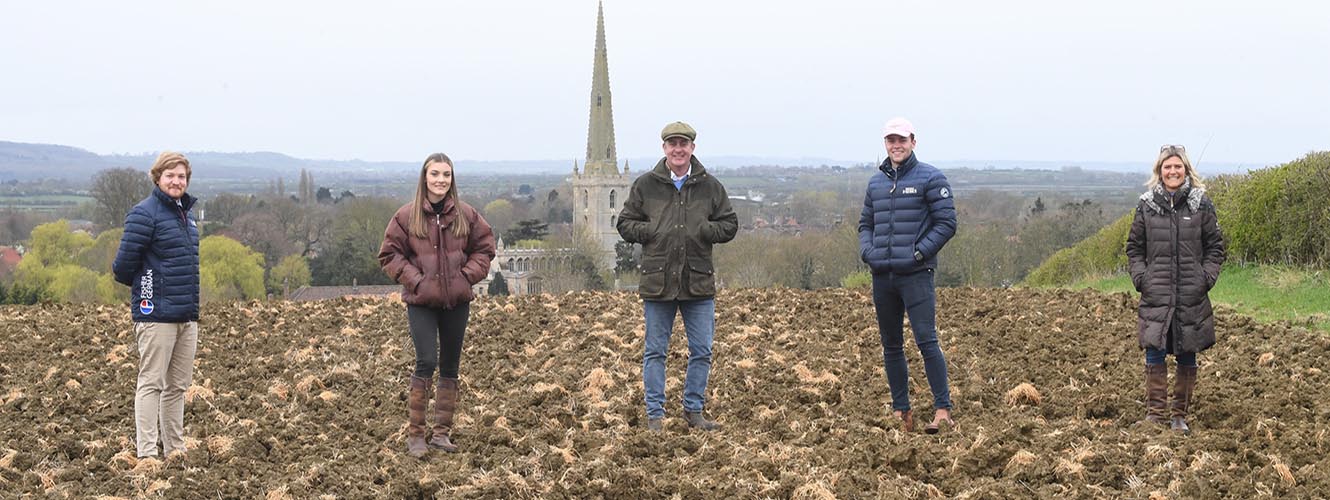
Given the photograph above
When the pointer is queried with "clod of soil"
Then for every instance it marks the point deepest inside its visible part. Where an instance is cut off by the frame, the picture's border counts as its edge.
(308, 401)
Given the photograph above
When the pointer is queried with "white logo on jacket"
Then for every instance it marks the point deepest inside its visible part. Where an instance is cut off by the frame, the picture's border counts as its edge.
(910, 190)
(145, 285)
(944, 192)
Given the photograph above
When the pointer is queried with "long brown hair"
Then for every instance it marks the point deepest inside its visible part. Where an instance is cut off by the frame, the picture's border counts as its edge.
(461, 227)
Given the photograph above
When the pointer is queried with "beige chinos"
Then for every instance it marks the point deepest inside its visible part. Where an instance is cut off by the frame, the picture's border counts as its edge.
(166, 369)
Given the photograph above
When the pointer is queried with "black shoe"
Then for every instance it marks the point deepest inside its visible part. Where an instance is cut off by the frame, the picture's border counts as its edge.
(696, 420)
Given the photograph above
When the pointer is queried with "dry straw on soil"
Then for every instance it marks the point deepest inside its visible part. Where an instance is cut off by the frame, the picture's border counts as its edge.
(308, 401)
(1023, 394)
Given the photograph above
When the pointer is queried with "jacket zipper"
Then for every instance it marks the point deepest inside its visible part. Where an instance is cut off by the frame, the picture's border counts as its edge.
(1173, 301)
(442, 252)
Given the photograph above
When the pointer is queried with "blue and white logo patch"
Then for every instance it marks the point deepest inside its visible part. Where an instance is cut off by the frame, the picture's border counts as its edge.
(145, 306)
(910, 190)
(945, 193)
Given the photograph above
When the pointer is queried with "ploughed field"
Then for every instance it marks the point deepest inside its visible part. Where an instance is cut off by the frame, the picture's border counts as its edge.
(308, 401)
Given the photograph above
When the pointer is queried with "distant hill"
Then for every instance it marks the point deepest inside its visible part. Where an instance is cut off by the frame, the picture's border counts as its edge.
(25, 161)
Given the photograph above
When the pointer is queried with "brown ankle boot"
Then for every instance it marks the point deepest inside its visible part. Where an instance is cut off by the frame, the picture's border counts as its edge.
(1184, 385)
(416, 402)
(1156, 395)
(445, 404)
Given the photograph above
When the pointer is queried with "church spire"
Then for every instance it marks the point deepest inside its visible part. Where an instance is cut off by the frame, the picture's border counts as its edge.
(601, 157)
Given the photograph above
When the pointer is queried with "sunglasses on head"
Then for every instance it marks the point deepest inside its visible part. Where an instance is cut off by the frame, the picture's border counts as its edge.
(1172, 148)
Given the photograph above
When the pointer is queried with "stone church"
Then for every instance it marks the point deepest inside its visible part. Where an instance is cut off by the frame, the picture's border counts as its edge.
(599, 188)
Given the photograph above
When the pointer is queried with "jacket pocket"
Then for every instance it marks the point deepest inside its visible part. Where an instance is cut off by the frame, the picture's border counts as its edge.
(701, 279)
(429, 293)
(652, 283)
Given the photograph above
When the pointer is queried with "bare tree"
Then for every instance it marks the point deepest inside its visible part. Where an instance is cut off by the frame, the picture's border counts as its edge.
(117, 190)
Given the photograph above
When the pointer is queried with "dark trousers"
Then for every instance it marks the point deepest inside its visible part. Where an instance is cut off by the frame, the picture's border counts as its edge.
(437, 334)
(894, 295)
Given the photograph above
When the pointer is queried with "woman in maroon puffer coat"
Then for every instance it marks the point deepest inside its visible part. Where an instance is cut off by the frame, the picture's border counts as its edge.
(1175, 251)
(437, 247)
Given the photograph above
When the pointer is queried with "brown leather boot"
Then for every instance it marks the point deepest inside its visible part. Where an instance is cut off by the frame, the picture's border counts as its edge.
(1184, 385)
(1156, 395)
(416, 401)
(445, 404)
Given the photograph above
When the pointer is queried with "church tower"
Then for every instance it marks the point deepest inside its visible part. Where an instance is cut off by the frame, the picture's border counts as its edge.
(600, 188)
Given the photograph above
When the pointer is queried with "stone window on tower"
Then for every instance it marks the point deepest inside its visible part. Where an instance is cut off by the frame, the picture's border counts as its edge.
(597, 100)
(614, 221)
(612, 199)
(586, 199)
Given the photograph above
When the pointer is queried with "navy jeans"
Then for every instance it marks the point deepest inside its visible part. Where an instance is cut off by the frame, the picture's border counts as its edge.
(699, 322)
(893, 296)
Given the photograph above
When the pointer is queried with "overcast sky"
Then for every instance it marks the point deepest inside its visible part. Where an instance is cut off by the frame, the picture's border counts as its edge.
(510, 79)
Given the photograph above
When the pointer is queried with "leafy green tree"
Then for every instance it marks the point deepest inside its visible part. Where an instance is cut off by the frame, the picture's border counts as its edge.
(52, 245)
(529, 229)
(499, 285)
(289, 274)
(353, 255)
(109, 291)
(229, 270)
(499, 213)
(99, 256)
(70, 283)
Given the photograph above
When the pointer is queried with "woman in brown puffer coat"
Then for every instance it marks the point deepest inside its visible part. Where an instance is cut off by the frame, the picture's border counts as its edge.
(437, 247)
(1175, 251)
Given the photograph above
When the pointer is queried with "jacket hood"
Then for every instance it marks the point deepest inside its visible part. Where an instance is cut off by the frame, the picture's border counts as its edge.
(1155, 197)
(662, 171)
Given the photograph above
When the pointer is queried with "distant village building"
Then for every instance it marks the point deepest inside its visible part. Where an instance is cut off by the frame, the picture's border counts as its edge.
(10, 257)
(599, 189)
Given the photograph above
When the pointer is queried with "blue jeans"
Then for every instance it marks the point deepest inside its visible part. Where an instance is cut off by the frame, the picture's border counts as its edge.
(1156, 357)
(893, 296)
(699, 322)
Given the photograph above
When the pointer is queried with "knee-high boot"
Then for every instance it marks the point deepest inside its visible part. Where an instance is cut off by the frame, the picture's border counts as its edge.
(1184, 385)
(445, 405)
(417, 399)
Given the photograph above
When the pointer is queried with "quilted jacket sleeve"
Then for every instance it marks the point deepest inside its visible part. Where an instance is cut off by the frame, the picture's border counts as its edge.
(942, 210)
(480, 250)
(633, 222)
(134, 243)
(394, 256)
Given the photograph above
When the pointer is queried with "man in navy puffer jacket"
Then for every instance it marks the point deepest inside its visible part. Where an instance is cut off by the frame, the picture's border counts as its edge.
(908, 216)
(159, 260)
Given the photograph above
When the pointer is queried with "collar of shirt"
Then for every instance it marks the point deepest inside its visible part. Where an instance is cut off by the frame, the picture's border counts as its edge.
(677, 178)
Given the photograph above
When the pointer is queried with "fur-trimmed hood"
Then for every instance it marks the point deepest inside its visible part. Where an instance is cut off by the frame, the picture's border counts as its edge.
(1154, 196)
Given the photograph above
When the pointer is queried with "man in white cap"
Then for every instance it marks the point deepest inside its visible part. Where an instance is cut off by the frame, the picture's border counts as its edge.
(908, 216)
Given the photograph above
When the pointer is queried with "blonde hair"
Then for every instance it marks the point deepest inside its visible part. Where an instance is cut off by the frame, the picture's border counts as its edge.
(169, 160)
(1165, 154)
(461, 227)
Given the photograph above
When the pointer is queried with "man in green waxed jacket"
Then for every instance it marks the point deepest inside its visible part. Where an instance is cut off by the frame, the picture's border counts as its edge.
(677, 211)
